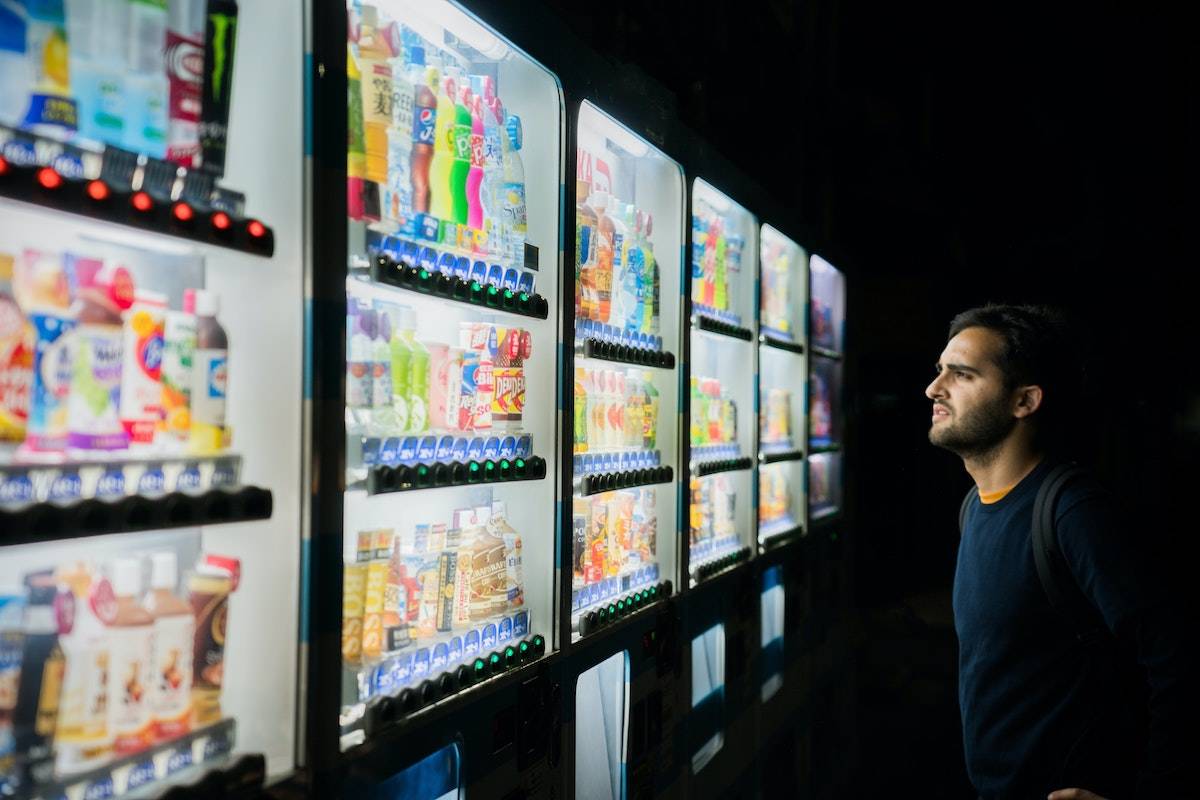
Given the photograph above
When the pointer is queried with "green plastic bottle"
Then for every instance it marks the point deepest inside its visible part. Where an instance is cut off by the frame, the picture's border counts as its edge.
(461, 166)
(650, 412)
(418, 374)
(401, 358)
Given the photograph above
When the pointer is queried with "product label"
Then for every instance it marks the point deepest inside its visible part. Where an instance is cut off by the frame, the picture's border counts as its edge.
(471, 643)
(129, 685)
(92, 408)
(141, 388)
(52, 366)
(171, 677)
(185, 71)
(179, 345)
(208, 395)
(16, 369)
(111, 483)
(424, 122)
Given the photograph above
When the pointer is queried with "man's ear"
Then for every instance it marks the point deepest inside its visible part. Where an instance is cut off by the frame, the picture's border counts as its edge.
(1027, 399)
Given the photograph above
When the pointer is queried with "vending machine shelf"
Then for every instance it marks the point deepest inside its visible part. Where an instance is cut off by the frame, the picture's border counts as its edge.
(778, 533)
(823, 514)
(620, 608)
(626, 354)
(774, 456)
(720, 327)
(170, 201)
(815, 447)
(490, 296)
(587, 485)
(781, 344)
(208, 746)
(826, 353)
(388, 710)
(704, 468)
(405, 478)
(711, 566)
(49, 521)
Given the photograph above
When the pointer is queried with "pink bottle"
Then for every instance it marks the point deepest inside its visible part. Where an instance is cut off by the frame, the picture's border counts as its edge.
(475, 175)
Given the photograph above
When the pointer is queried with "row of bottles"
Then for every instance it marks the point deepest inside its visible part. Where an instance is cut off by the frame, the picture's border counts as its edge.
(432, 150)
(714, 413)
(617, 279)
(94, 668)
(91, 364)
(615, 410)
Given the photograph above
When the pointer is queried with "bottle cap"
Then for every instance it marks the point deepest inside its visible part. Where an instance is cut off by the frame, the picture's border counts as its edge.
(207, 303)
(515, 133)
(127, 577)
(189, 301)
(164, 571)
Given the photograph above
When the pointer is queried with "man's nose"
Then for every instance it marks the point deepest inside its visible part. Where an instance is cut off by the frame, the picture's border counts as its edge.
(934, 390)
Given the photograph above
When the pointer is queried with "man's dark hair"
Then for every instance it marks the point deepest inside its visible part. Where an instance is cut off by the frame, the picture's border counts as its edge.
(1039, 346)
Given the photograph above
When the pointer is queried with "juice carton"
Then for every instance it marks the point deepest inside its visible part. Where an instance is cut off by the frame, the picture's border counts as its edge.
(16, 359)
(508, 401)
(354, 590)
(41, 288)
(580, 520)
(513, 568)
(445, 369)
(141, 368)
(376, 587)
(597, 540)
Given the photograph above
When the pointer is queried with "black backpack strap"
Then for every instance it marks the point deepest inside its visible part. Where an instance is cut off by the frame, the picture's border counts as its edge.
(1058, 582)
(962, 510)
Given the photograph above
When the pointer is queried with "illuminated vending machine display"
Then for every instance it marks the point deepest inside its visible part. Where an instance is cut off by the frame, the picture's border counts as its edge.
(151, 373)
(827, 322)
(452, 359)
(720, 382)
(782, 359)
(628, 217)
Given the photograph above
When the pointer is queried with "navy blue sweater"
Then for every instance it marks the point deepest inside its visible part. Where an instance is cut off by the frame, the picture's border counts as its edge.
(1040, 711)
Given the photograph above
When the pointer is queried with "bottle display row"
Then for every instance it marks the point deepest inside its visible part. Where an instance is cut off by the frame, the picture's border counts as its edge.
(92, 366)
(104, 660)
(148, 76)
(617, 283)
(712, 516)
(615, 539)
(716, 262)
(433, 153)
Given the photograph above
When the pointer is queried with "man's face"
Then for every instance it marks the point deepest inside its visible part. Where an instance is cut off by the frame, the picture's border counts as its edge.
(972, 411)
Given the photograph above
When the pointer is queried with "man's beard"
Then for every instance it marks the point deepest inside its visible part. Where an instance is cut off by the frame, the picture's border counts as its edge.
(977, 433)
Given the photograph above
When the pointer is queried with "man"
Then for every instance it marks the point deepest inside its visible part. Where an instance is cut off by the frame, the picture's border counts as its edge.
(1044, 714)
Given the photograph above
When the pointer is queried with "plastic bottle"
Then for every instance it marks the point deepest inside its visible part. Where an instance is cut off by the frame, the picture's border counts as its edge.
(398, 193)
(581, 411)
(16, 75)
(376, 86)
(513, 193)
(141, 369)
(624, 298)
(383, 416)
(597, 413)
(171, 664)
(418, 376)
(97, 68)
(359, 377)
(475, 172)
(650, 412)
(652, 279)
(32, 694)
(493, 169)
(635, 408)
(424, 140)
(209, 378)
(130, 639)
(41, 289)
(16, 359)
(179, 350)
(93, 408)
(604, 242)
(51, 108)
(83, 734)
(400, 360)
(616, 409)
(632, 288)
(185, 74)
(441, 197)
(461, 165)
(146, 85)
(586, 299)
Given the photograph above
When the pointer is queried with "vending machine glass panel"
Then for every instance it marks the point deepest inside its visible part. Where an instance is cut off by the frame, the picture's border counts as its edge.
(706, 726)
(151, 386)
(454, 170)
(782, 366)
(773, 602)
(601, 712)
(825, 385)
(824, 484)
(828, 306)
(721, 373)
(629, 233)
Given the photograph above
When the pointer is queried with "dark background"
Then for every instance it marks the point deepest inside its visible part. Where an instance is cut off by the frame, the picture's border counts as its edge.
(951, 155)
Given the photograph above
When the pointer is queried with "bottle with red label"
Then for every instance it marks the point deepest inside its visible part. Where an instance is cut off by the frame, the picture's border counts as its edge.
(475, 172)
(93, 407)
(185, 74)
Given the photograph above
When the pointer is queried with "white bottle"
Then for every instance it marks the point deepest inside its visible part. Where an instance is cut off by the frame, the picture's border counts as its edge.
(210, 370)
(16, 74)
(98, 68)
(513, 191)
(171, 666)
(146, 84)
(131, 641)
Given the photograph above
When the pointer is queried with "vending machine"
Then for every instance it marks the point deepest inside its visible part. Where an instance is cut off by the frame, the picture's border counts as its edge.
(782, 367)
(623, 668)
(151, 390)
(827, 326)
(722, 369)
(439, 346)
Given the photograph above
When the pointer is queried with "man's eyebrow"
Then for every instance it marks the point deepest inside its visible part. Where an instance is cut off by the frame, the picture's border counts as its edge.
(959, 368)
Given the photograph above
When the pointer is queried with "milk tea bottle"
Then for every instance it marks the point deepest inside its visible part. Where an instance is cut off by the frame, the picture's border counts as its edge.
(171, 667)
(210, 365)
(130, 638)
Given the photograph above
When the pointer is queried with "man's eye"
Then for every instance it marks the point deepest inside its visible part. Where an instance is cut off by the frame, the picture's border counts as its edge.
(961, 374)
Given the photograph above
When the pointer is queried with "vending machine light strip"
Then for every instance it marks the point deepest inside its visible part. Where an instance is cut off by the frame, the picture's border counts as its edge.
(405, 478)
(208, 745)
(626, 354)
(823, 514)
(724, 465)
(826, 353)
(775, 536)
(781, 344)
(169, 200)
(48, 521)
(588, 485)
(817, 447)
(620, 608)
(773, 456)
(387, 710)
(707, 569)
(490, 296)
(710, 325)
